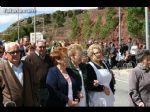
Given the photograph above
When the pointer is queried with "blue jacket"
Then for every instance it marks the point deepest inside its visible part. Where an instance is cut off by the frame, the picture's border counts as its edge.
(58, 87)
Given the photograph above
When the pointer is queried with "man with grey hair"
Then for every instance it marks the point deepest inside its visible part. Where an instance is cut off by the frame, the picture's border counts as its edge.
(42, 63)
(16, 79)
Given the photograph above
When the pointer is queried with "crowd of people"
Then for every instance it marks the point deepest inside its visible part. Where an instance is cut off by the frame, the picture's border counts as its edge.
(68, 74)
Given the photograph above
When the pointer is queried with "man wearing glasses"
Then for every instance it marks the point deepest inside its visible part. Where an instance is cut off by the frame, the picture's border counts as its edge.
(42, 62)
(16, 79)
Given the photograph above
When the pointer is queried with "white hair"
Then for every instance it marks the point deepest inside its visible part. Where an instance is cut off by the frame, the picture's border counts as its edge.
(41, 40)
(8, 45)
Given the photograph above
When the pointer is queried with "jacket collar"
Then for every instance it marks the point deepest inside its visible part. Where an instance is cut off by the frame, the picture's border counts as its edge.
(141, 66)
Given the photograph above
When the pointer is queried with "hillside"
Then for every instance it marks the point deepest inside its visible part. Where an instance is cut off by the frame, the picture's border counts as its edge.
(52, 31)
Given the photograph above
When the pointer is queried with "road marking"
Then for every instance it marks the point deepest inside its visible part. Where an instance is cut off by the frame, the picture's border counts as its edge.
(122, 81)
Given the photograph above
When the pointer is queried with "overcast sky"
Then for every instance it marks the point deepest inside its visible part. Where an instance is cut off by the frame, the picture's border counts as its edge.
(8, 15)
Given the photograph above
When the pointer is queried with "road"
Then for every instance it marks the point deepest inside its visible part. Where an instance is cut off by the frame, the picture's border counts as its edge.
(121, 94)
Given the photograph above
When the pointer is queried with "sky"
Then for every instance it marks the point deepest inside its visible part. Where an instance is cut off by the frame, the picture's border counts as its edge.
(9, 15)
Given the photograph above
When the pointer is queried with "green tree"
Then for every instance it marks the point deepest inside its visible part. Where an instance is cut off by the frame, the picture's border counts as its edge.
(110, 13)
(59, 18)
(96, 28)
(23, 30)
(86, 30)
(65, 13)
(76, 12)
(135, 11)
(29, 29)
(135, 21)
(104, 31)
(14, 35)
(47, 18)
(29, 20)
(111, 22)
(7, 37)
(75, 28)
(70, 13)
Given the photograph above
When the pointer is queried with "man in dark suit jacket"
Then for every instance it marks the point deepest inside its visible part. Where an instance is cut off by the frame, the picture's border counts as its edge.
(25, 42)
(16, 79)
(42, 62)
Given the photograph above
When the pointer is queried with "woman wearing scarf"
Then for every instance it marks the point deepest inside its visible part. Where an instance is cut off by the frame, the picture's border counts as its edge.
(75, 53)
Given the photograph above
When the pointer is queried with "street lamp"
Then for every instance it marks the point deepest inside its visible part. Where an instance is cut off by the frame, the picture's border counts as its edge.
(147, 28)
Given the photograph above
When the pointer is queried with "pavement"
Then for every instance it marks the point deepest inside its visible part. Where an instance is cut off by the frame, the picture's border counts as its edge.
(122, 74)
(122, 84)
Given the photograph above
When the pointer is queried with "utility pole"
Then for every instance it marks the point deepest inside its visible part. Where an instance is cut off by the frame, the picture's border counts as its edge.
(119, 28)
(43, 24)
(18, 24)
(35, 24)
(147, 28)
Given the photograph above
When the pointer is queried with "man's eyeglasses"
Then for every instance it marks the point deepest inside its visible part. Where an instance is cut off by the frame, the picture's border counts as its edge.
(13, 52)
(42, 47)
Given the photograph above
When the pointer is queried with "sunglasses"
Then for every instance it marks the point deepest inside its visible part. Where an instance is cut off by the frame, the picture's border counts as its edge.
(13, 52)
(42, 47)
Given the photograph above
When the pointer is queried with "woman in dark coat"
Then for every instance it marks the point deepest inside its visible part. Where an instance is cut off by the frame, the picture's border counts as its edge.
(61, 81)
(139, 81)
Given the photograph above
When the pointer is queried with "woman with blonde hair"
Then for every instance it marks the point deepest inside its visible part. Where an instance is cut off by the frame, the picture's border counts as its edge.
(100, 79)
(75, 53)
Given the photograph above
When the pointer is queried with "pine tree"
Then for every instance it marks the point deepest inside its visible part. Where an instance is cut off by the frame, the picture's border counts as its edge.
(75, 28)
(86, 31)
(96, 28)
(59, 18)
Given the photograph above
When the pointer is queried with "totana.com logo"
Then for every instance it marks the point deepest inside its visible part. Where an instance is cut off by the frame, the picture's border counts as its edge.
(18, 10)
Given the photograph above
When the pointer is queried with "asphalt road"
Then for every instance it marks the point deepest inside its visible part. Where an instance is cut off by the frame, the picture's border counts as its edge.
(121, 94)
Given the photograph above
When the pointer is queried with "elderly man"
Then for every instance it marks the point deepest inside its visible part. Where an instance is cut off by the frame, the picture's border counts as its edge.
(16, 79)
(42, 62)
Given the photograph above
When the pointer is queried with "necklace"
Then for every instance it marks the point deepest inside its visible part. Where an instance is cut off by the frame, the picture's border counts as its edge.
(67, 77)
(64, 73)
